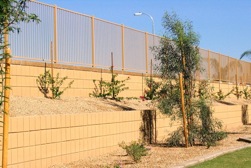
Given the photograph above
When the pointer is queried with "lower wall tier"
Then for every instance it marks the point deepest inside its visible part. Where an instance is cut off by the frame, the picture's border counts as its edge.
(42, 141)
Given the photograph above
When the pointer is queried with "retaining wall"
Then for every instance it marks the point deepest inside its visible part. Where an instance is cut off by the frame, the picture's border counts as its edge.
(41, 141)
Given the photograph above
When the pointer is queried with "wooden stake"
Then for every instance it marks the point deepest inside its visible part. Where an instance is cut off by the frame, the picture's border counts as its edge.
(183, 109)
(6, 100)
(52, 67)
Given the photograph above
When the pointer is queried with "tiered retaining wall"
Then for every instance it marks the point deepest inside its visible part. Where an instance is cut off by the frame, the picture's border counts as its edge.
(41, 141)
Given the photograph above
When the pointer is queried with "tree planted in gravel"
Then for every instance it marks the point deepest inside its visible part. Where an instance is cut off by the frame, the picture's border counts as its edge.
(12, 12)
(178, 53)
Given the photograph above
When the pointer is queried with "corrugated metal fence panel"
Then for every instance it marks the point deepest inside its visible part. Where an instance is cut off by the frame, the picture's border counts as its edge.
(108, 39)
(243, 72)
(152, 41)
(33, 42)
(224, 65)
(74, 38)
(232, 69)
(214, 66)
(135, 54)
(204, 72)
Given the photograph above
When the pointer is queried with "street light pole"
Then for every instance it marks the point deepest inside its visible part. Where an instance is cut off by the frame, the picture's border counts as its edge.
(142, 13)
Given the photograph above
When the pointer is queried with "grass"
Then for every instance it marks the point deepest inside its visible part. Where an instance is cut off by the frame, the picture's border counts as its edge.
(237, 159)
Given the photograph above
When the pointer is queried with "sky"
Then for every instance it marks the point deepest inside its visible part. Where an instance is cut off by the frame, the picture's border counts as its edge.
(224, 26)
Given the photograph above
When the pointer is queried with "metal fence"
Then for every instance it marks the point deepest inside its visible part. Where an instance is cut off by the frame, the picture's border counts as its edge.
(83, 40)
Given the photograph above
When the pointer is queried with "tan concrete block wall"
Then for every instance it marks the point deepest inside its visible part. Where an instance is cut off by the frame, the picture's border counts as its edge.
(41, 141)
(23, 81)
(229, 115)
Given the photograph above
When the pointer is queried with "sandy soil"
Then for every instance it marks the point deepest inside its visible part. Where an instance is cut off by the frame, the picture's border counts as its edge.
(161, 156)
(23, 106)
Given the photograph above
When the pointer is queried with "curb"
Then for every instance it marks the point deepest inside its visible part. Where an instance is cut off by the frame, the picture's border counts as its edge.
(204, 158)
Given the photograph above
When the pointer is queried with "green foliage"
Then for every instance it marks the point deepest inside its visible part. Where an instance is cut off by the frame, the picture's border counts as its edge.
(246, 93)
(220, 95)
(203, 129)
(238, 93)
(100, 89)
(176, 138)
(46, 81)
(135, 150)
(11, 13)
(178, 53)
(111, 89)
(43, 83)
(152, 88)
(56, 84)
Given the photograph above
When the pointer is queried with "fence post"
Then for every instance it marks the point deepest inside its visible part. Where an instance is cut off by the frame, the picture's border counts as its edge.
(123, 47)
(55, 35)
(93, 43)
(146, 50)
(52, 66)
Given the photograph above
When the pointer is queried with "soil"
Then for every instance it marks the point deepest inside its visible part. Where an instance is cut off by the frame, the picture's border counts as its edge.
(161, 156)
(25, 106)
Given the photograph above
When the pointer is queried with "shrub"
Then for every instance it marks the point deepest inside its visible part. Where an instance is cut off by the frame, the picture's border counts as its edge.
(246, 94)
(176, 138)
(152, 89)
(220, 95)
(111, 89)
(135, 150)
(237, 92)
(43, 83)
(56, 84)
(46, 82)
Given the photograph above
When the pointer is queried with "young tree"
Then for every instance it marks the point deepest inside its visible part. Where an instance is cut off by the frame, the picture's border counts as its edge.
(11, 13)
(178, 53)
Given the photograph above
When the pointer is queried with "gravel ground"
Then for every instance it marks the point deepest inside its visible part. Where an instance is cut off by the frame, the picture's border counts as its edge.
(24, 106)
(160, 156)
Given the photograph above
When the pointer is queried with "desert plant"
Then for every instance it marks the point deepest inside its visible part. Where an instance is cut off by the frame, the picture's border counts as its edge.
(220, 95)
(152, 89)
(135, 150)
(246, 93)
(110, 89)
(237, 92)
(47, 82)
(178, 54)
(56, 84)
(209, 131)
(99, 89)
(176, 138)
(43, 83)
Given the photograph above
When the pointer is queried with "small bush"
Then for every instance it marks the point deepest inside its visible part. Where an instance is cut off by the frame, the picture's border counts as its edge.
(221, 96)
(111, 89)
(237, 92)
(135, 150)
(176, 138)
(46, 82)
(152, 88)
(246, 94)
